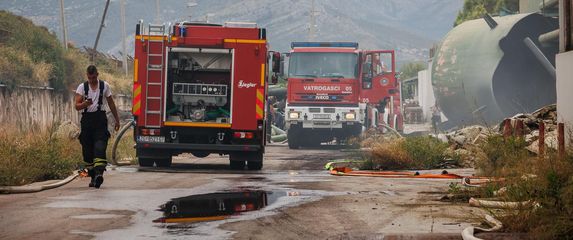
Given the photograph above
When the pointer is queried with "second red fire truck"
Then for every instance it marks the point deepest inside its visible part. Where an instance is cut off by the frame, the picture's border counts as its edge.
(335, 91)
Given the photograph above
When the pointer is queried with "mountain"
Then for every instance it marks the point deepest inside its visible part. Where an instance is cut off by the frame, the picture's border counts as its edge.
(409, 26)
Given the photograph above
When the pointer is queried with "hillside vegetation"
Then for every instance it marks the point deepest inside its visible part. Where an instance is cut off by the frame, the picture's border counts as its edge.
(474, 9)
(32, 56)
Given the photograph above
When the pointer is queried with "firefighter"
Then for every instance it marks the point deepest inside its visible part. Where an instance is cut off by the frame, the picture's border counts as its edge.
(91, 97)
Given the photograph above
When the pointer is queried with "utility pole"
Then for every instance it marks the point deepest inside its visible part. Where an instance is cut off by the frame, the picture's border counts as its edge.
(190, 5)
(123, 36)
(99, 31)
(63, 22)
(207, 16)
(157, 19)
(311, 29)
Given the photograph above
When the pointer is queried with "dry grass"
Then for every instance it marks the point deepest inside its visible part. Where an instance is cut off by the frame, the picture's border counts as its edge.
(388, 154)
(547, 181)
(27, 157)
(125, 149)
(17, 68)
(403, 153)
(121, 84)
(32, 56)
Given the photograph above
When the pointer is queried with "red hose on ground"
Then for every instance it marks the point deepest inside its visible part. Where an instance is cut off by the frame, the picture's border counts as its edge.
(346, 171)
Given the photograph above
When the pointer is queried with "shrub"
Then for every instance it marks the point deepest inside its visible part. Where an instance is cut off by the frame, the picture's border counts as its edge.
(426, 151)
(36, 156)
(404, 153)
(388, 155)
(546, 180)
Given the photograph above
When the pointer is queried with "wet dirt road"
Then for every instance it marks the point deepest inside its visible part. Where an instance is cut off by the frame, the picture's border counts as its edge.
(291, 198)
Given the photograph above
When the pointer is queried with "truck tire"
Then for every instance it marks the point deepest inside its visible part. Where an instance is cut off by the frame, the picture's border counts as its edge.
(200, 154)
(236, 161)
(255, 161)
(293, 139)
(145, 162)
(164, 162)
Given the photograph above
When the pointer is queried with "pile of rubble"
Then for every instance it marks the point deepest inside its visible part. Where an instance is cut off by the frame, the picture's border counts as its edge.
(465, 143)
(531, 125)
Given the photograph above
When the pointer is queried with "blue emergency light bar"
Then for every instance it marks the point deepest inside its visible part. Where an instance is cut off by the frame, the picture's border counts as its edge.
(325, 44)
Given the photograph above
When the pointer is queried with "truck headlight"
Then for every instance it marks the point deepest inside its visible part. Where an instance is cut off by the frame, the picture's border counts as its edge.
(293, 115)
(350, 116)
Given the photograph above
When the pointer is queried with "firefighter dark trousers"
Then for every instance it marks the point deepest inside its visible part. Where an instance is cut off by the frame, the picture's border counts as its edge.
(93, 137)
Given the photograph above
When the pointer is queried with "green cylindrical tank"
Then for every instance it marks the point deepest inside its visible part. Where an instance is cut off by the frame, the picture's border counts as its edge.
(482, 74)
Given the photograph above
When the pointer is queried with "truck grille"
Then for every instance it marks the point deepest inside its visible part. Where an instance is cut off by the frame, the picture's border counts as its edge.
(329, 110)
(321, 116)
(314, 110)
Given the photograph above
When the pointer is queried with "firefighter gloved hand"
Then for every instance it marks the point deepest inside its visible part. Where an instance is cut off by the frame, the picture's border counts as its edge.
(116, 127)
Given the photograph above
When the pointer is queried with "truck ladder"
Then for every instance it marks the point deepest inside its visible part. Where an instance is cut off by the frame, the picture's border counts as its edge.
(155, 72)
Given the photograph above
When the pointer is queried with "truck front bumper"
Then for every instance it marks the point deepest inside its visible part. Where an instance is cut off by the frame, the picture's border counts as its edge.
(320, 117)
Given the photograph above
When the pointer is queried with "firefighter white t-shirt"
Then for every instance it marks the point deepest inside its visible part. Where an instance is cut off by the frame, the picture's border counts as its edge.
(94, 95)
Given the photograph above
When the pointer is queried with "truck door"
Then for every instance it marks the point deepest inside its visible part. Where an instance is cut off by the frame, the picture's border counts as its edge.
(378, 76)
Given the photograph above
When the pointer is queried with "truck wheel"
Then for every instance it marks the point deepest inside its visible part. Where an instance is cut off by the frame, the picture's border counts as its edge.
(236, 161)
(293, 139)
(200, 154)
(237, 165)
(145, 162)
(252, 165)
(164, 162)
(256, 161)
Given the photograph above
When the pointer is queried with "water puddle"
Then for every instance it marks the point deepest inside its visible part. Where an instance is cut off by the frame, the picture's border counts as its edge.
(216, 206)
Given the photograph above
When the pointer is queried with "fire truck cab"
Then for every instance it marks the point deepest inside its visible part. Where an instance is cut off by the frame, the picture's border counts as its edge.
(200, 88)
(336, 91)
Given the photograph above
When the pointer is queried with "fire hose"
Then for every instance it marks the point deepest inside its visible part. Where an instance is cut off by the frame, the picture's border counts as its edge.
(468, 233)
(38, 188)
(130, 123)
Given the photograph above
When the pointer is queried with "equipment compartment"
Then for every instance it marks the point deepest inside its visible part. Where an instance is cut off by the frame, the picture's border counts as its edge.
(199, 85)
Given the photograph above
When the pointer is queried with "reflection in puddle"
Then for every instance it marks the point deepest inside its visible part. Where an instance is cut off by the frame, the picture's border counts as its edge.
(216, 206)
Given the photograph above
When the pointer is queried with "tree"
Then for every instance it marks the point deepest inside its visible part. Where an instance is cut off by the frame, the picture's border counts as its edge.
(474, 9)
(411, 69)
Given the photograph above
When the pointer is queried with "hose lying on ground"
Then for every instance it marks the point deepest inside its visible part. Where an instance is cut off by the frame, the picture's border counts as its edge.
(392, 130)
(331, 165)
(32, 189)
(500, 204)
(468, 233)
(279, 136)
(122, 131)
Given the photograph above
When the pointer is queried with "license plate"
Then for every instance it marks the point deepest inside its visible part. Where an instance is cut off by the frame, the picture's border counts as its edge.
(151, 139)
(321, 116)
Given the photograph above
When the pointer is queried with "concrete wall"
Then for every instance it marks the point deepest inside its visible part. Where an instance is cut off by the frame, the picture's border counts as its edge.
(426, 92)
(30, 107)
(529, 6)
(565, 90)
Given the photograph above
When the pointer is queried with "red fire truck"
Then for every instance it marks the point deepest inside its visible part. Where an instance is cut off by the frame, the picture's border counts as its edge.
(200, 88)
(335, 91)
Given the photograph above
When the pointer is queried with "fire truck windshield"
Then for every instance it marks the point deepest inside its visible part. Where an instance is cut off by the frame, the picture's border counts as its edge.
(323, 64)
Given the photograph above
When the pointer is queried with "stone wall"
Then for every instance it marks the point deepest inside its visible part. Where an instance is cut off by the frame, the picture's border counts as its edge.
(32, 107)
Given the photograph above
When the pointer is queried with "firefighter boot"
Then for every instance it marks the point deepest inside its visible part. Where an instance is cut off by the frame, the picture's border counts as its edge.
(91, 173)
(99, 168)
(98, 177)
